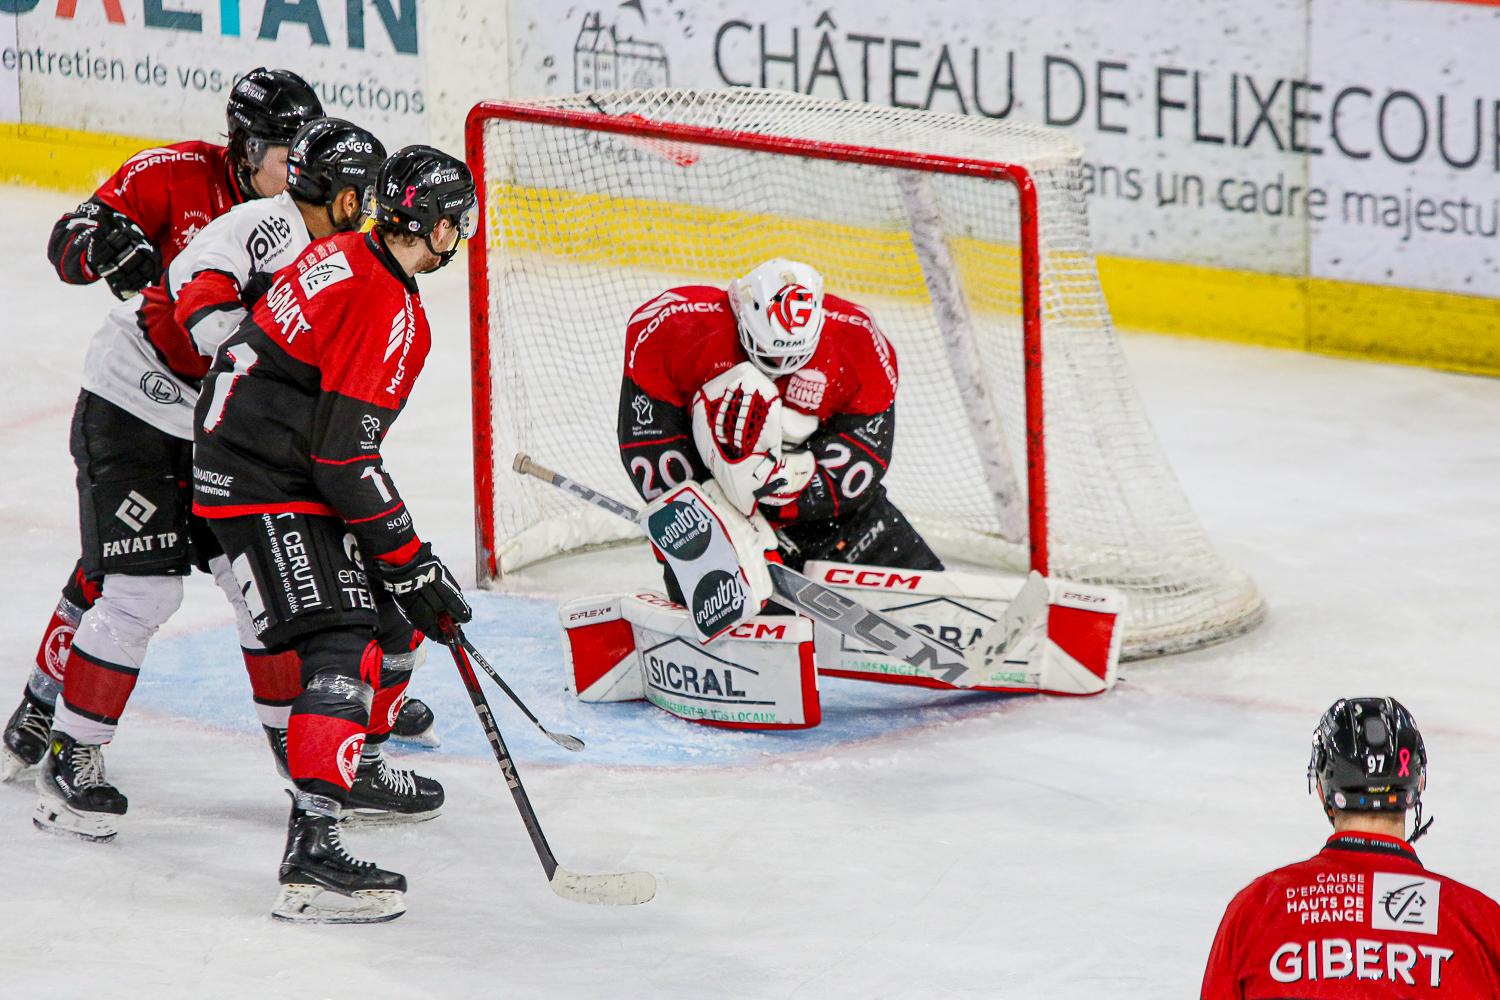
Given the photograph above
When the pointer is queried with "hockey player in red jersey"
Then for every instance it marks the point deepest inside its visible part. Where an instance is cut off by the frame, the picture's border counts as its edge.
(1362, 919)
(287, 467)
(783, 395)
(136, 452)
(134, 226)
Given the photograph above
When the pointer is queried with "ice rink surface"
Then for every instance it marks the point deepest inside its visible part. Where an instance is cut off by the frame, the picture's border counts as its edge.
(918, 845)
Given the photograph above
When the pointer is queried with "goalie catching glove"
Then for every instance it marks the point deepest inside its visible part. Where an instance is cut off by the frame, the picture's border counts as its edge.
(737, 430)
(426, 592)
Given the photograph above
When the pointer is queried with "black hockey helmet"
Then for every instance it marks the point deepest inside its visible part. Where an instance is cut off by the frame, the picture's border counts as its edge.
(329, 155)
(419, 186)
(266, 108)
(270, 105)
(1368, 756)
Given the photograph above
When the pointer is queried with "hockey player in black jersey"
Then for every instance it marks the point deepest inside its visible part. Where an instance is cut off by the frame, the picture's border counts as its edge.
(287, 469)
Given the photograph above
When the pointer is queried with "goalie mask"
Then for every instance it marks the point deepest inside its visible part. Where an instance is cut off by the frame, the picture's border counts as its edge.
(779, 310)
(1368, 756)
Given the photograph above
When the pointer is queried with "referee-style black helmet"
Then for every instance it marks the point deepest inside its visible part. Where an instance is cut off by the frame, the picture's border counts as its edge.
(1368, 756)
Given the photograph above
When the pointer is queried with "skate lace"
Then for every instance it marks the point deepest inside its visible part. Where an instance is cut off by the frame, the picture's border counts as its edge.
(88, 766)
(34, 723)
(401, 782)
(338, 846)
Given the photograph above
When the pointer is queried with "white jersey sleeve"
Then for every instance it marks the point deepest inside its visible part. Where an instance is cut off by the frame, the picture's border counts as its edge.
(229, 264)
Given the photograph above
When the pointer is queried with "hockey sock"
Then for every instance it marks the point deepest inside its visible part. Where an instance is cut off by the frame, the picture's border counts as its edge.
(107, 651)
(78, 595)
(390, 697)
(326, 731)
(275, 683)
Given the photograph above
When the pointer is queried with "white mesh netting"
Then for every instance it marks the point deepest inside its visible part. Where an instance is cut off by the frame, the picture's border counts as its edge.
(583, 226)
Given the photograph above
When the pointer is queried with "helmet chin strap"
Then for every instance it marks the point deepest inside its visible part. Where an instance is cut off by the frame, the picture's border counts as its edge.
(443, 256)
(1418, 827)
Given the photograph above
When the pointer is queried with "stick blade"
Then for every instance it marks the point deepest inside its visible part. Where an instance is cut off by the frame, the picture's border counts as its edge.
(565, 741)
(623, 889)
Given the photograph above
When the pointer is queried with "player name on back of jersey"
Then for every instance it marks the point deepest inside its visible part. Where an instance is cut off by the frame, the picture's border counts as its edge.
(1359, 959)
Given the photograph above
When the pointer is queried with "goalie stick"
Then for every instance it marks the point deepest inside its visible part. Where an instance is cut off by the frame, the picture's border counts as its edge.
(820, 603)
(623, 889)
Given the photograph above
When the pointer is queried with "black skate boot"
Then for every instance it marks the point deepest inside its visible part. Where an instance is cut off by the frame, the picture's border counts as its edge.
(383, 794)
(277, 739)
(25, 736)
(321, 883)
(415, 723)
(72, 796)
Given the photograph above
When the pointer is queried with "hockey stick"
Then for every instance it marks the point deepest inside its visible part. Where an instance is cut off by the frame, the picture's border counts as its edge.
(563, 740)
(822, 604)
(623, 889)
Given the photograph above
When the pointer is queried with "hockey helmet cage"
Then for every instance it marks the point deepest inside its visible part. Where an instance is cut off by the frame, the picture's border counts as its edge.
(328, 155)
(778, 307)
(1368, 756)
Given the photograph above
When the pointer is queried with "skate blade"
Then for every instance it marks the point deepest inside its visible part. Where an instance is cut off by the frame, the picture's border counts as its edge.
(54, 816)
(426, 738)
(354, 816)
(14, 768)
(312, 904)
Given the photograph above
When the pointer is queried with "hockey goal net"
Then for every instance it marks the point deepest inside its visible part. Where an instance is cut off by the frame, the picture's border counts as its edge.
(1020, 440)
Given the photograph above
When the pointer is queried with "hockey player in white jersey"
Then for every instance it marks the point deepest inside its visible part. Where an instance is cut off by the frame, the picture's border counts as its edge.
(132, 443)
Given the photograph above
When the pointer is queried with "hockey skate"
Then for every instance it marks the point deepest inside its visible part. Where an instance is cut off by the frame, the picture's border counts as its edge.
(277, 739)
(384, 794)
(25, 738)
(321, 882)
(415, 723)
(73, 798)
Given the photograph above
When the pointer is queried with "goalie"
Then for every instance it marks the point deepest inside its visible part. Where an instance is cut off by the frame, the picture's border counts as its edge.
(781, 395)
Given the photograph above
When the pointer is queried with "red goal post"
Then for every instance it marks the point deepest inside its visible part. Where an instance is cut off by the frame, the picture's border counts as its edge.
(578, 193)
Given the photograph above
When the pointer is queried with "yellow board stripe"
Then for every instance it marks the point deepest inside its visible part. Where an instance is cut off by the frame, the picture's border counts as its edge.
(1344, 318)
(1436, 329)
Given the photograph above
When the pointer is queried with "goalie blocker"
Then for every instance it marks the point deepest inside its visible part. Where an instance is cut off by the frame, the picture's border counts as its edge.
(1058, 638)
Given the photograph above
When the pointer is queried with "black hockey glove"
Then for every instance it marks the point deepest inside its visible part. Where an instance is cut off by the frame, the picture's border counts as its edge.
(121, 254)
(426, 592)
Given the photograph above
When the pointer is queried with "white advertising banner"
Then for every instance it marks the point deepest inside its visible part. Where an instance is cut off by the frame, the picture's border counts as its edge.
(1226, 134)
(1412, 166)
(10, 79)
(164, 67)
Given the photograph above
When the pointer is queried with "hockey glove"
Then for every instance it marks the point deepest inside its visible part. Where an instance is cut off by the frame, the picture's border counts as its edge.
(426, 592)
(793, 473)
(121, 254)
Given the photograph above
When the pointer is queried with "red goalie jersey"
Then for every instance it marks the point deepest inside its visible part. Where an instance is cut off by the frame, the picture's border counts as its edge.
(1361, 920)
(840, 405)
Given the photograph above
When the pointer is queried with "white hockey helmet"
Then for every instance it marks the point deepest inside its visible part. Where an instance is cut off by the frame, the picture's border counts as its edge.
(779, 308)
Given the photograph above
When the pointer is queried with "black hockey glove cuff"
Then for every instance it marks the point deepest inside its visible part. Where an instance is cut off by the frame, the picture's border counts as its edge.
(426, 592)
(121, 254)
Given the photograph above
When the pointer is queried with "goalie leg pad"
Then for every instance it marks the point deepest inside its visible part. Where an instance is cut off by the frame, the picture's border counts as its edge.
(760, 675)
(717, 555)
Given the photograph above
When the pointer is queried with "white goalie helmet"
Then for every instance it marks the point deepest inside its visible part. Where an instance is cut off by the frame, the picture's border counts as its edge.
(779, 309)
